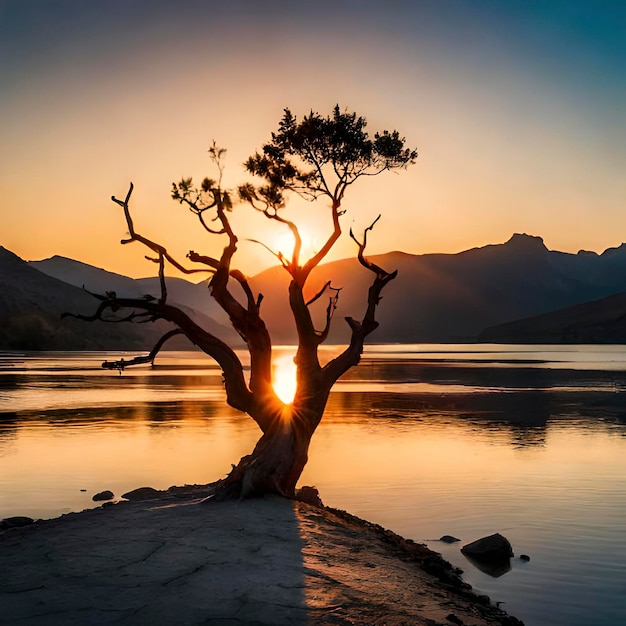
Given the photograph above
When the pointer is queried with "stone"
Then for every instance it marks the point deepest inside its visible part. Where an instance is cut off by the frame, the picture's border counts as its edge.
(15, 522)
(309, 495)
(489, 549)
(142, 493)
(103, 495)
(448, 539)
(524, 557)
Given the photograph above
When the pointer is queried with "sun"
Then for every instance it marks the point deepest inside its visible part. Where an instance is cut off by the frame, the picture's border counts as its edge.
(284, 244)
(284, 377)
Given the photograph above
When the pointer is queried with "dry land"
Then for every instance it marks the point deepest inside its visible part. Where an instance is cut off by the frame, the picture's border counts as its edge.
(268, 561)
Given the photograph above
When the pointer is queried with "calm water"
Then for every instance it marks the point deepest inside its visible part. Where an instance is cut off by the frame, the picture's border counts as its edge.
(426, 440)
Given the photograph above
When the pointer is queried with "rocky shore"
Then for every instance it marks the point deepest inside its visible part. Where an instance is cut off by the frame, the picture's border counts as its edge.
(171, 560)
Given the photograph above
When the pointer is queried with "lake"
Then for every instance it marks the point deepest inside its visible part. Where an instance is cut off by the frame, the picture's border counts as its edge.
(427, 440)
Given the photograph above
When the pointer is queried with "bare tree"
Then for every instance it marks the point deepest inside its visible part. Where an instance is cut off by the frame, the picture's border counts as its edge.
(317, 158)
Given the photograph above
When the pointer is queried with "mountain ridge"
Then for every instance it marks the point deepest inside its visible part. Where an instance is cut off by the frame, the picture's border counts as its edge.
(33, 302)
(31, 308)
(437, 297)
(452, 297)
(600, 321)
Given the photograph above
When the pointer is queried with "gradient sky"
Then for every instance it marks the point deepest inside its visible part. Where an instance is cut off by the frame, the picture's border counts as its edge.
(516, 108)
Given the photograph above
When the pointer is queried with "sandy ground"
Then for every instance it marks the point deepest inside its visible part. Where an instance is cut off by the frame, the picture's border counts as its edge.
(266, 561)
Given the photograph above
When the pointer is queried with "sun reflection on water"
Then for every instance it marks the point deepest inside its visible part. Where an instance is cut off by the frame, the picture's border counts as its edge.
(284, 377)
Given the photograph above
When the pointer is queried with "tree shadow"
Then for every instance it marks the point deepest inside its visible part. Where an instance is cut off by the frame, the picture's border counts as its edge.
(141, 563)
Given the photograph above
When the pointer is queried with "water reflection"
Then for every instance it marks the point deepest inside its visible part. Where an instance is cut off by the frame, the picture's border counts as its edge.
(425, 441)
(495, 570)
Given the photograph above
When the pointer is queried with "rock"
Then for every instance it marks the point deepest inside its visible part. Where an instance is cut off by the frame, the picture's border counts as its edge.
(142, 493)
(309, 495)
(102, 495)
(15, 522)
(185, 489)
(441, 569)
(524, 557)
(494, 548)
(452, 618)
(448, 539)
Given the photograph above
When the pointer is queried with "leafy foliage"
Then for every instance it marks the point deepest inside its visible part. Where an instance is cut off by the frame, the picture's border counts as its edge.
(323, 156)
(210, 195)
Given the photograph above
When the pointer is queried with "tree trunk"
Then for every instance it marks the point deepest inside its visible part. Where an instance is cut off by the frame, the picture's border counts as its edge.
(277, 461)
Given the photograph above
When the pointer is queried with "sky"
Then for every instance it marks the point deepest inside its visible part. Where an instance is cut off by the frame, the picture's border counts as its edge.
(515, 107)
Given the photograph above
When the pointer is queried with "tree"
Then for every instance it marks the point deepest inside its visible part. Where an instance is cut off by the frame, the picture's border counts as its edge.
(318, 158)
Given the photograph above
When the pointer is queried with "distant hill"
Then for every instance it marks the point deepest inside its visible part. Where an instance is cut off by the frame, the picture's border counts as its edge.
(600, 321)
(97, 280)
(193, 298)
(435, 298)
(453, 297)
(31, 304)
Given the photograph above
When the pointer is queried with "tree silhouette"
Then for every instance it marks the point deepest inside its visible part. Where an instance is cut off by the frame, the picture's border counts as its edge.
(317, 158)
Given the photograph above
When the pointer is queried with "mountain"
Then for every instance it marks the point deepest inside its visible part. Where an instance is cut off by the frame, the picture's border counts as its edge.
(194, 299)
(435, 298)
(32, 304)
(453, 297)
(91, 278)
(97, 280)
(600, 321)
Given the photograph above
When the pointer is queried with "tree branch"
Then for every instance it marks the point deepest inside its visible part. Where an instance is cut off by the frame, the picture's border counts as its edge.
(360, 329)
(149, 358)
(279, 255)
(321, 292)
(330, 310)
(246, 321)
(134, 236)
(316, 259)
(237, 393)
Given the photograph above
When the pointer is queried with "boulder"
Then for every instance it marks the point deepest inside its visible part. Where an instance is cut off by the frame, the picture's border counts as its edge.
(142, 493)
(494, 548)
(309, 495)
(15, 522)
(103, 495)
(448, 539)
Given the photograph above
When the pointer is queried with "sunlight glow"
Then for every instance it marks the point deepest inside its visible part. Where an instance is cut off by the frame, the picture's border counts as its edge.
(284, 377)
(284, 244)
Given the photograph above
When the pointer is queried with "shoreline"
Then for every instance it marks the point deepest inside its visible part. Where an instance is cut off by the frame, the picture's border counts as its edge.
(264, 561)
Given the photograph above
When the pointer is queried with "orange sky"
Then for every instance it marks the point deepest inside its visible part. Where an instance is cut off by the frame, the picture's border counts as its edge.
(516, 112)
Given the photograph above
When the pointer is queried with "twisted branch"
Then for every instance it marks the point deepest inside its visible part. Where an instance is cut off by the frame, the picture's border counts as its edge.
(360, 329)
(134, 236)
(149, 358)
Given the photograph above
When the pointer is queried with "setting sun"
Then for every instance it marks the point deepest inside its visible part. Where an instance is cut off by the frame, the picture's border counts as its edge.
(284, 377)
(284, 244)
